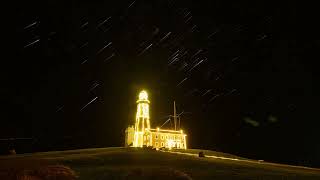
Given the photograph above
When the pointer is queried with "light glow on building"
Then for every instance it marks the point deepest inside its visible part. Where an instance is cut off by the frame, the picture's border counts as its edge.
(142, 135)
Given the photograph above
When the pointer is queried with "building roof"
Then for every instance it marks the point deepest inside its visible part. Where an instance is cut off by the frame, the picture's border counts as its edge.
(167, 131)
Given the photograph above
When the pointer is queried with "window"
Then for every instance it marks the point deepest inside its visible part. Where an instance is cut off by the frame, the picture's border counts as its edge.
(166, 136)
(162, 144)
(166, 144)
(157, 144)
(156, 136)
(162, 137)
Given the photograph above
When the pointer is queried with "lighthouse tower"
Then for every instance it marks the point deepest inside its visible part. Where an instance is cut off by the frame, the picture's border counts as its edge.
(142, 124)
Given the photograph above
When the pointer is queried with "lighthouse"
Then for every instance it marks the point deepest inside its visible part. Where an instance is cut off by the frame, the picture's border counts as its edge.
(142, 124)
(142, 116)
(141, 135)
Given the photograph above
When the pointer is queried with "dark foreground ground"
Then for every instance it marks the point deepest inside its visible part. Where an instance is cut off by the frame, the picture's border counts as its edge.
(130, 163)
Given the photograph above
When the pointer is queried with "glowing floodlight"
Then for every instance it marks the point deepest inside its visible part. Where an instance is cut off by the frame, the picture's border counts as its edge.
(171, 143)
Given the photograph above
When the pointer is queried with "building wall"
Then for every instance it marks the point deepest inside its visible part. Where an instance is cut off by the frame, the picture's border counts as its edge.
(163, 139)
(129, 136)
(156, 139)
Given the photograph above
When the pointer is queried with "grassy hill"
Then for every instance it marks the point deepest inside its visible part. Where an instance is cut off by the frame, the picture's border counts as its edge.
(132, 163)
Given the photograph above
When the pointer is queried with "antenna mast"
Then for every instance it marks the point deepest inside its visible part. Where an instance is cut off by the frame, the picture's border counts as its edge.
(174, 115)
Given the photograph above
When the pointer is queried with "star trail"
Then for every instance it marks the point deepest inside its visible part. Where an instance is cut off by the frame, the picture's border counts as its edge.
(74, 69)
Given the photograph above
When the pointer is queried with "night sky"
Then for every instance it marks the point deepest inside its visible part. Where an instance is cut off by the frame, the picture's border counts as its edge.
(71, 72)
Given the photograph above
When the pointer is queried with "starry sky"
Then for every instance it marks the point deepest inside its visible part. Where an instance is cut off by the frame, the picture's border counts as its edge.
(71, 73)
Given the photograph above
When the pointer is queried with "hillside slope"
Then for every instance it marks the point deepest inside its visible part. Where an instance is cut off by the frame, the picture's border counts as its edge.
(131, 163)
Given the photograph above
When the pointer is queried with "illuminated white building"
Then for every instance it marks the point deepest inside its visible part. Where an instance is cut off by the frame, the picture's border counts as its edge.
(141, 134)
